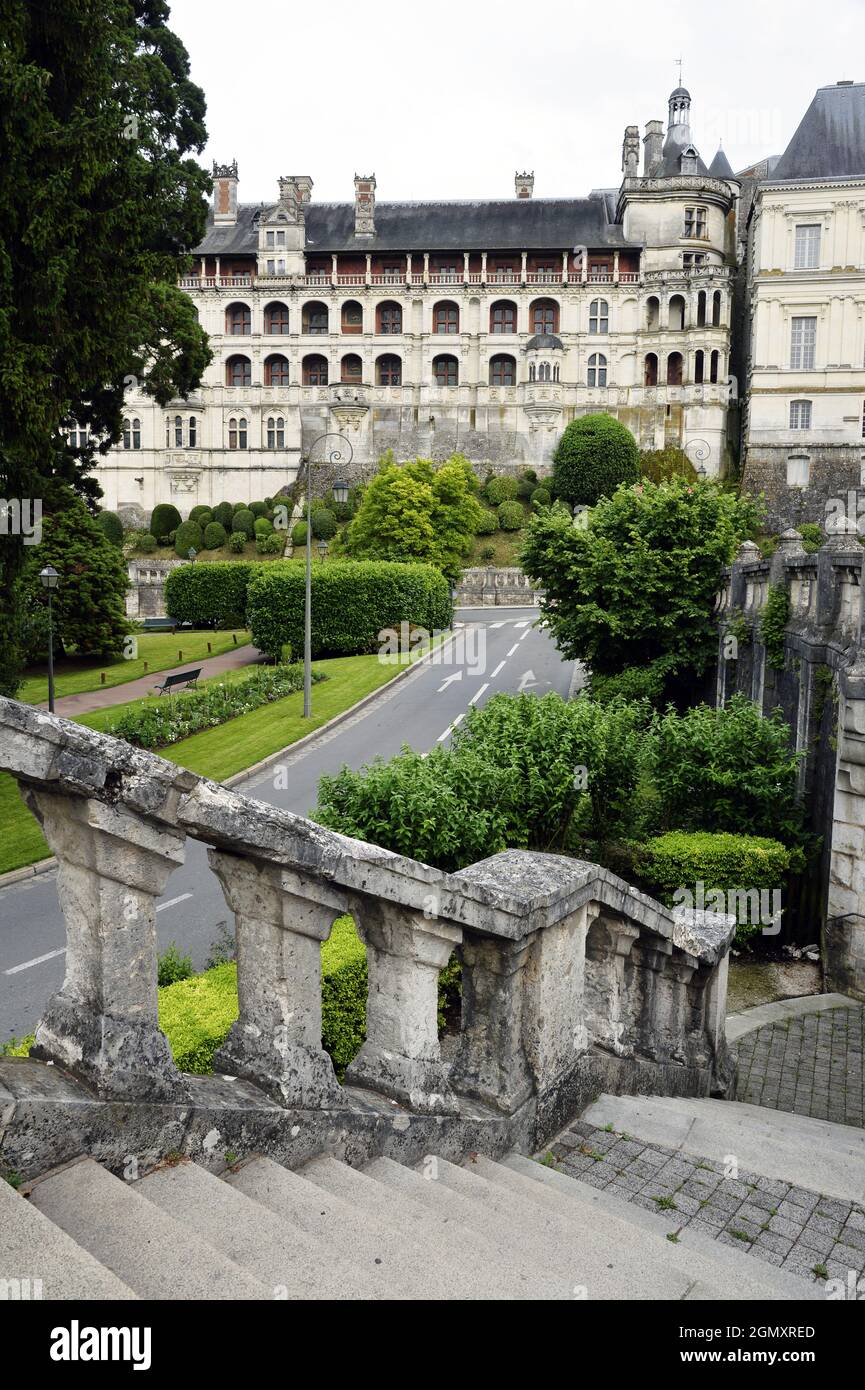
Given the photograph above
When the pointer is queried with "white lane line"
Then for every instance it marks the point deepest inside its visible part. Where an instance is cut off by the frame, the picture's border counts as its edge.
(513, 649)
(525, 634)
(498, 668)
(172, 902)
(497, 624)
(523, 624)
(478, 693)
(37, 960)
(450, 728)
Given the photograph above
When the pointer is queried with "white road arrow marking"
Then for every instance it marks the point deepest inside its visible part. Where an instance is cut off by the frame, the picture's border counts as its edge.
(457, 676)
(526, 681)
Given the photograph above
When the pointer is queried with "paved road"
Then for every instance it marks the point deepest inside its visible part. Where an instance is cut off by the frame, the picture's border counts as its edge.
(495, 650)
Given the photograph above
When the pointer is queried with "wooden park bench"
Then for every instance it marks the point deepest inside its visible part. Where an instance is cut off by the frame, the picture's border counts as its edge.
(187, 678)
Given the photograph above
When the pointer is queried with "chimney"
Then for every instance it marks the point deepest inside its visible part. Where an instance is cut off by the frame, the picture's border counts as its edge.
(364, 204)
(225, 192)
(653, 146)
(631, 152)
(524, 184)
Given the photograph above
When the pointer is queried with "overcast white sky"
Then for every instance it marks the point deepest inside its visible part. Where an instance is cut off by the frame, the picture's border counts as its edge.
(447, 100)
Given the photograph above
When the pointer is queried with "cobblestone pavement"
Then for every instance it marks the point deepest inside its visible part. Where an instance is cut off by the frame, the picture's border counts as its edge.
(815, 1237)
(811, 1065)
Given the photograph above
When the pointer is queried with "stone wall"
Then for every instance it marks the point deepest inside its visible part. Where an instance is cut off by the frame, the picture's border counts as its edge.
(146, 595)
(483, 588)
(799, 482)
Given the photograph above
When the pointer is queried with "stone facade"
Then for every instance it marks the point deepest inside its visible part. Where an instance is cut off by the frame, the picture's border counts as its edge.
(429, 328)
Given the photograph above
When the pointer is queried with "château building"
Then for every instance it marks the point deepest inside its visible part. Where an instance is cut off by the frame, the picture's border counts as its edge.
(432, 327)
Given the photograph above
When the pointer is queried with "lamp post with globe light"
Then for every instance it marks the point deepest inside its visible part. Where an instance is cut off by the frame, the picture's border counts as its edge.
(49, 579)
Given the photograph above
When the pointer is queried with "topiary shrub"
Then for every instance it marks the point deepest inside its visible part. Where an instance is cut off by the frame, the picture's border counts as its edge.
(530, 474)
(324, 523)
(511, 516)
(215, 536)
(272, 544)
(165, 519)
(223, 513)
(594, 456)
(525, 488)
(500, 490)
(541, 497)
(147, 543)
(111, 526)
(239, 507)
(353, 601)
(189, 537)
(486, 523)
(262, 526)
(203, 515)
(237, 541)
(244, 521)
(298, 533)
(258, 508)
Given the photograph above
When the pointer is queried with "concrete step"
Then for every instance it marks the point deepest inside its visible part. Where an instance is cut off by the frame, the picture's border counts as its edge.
(146, 1248)
(710, 1261)
(814, 1154)
(382, 1248)
(475, 1273)
(285, 1259)
(33, 1248)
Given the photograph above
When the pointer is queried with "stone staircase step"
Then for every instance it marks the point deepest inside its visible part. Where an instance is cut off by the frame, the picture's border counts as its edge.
(700, 1254)
(815, 1154)
(273, 1250)
(488, 1235)
(33, 1247)
(474, 1273)
(146, 1248)
(380, 1247)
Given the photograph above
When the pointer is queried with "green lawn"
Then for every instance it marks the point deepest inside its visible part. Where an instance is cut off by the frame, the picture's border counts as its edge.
(216, 753)
(161, 650)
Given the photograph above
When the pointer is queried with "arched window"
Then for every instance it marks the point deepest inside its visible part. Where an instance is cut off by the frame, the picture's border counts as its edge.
(544, 371)
(351, 317)
(597, 373)
(599, 316)
(701, 309)
(716, 309)
(314, 318)
(276, 319)
(178, 431)
(650, 370)
(699, 368)
(275, 432)
(544, 316)
(446, 317)
(556, 372)
(533, 371)
(389, 317)
(800, 415)
(446, 370)
(388, 370)
(238, 371)
(653, 311)
(714, 366)
(238, 319)
(503, 316)
(674, 369)
(131, 434)
(237, 433)
(503, 370)
(314, 370)
(193, 432)
(136, 434)
(677, 312)
(276, 370)
(351, 369)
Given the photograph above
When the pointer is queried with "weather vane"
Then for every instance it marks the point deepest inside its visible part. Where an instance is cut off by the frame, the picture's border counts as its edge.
(679, 61)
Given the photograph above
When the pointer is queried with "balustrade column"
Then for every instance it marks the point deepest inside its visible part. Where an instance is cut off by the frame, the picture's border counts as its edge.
(281, 919)
(102, 1024)
(401, 1056)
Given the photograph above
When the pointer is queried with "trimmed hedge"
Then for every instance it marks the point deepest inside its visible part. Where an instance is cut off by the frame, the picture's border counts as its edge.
(324, 523)
(486, 523)
(262, 526)
(298, 533)
(237, 542)
(351, 603)
(215, 536)
(724, 864)
(111, 527)
(511, 516)
(189, 537)
(203, 515)
(223, 512)
(244, 521)
(541, 497)
(165, 519)
(147, 543)
(208, 595)
(270, 544)
(500, 490)
(594, 456)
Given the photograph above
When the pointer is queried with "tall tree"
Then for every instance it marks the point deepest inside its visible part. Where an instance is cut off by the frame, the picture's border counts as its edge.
(99, 200)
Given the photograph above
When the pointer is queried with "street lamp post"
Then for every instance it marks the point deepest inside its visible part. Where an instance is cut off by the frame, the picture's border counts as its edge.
(333, 448)
(49, 579)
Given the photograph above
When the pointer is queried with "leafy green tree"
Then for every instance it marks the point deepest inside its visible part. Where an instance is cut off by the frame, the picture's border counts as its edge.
(594, 455)
(670, 462)
(417, 511)
(99, 201)
(636, 585)
(89, 603)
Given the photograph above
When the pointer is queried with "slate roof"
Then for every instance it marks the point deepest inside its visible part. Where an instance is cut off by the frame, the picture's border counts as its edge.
(830, 140)
(721, 168)
(514, 224)
(548, 341)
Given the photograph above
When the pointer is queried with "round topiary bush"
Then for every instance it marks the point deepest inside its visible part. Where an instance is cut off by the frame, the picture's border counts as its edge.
(530, 474)
(223, 513)
(189, 537)
(594, 455)
(263, 526)
(258, 508)
(215, 536)
(239, 507)
(541, 497)
(203, 515)
(511, 516)
(147, 543)
(500, 490)
(525, 488)
(111, 526)
(324, 523)
(165, 519)
(271, 544)
(298, 533)
(244, 521)
(237, 541)
(487, 523)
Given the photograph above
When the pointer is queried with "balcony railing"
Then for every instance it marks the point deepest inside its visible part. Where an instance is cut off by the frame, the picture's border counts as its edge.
(356, 279)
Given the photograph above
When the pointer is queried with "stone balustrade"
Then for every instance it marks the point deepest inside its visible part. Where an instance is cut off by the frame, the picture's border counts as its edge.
(507, 586)
(571, 978)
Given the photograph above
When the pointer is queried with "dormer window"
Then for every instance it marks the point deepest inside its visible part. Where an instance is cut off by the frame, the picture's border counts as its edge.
(688, 162)
(695, 222)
